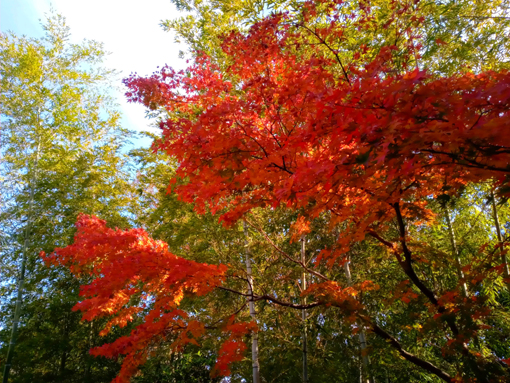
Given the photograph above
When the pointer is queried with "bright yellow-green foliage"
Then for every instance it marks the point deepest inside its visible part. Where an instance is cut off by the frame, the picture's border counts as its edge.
(58, 122)
(60, 154)
(449, 35)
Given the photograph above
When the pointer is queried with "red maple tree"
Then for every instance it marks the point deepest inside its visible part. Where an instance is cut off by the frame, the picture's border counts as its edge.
(290, 124)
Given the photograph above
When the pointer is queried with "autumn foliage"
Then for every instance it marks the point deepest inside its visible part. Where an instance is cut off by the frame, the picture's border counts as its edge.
(289, 123)
(132, 273)
(280, 128)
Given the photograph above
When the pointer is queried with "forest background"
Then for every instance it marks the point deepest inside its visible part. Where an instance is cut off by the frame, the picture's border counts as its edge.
(318, 289)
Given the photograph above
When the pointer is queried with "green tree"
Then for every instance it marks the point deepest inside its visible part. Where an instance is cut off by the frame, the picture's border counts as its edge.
(61, 153)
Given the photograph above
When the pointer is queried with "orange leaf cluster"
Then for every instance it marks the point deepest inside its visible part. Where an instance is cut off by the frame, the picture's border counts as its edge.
(331, 293)
(131, 272)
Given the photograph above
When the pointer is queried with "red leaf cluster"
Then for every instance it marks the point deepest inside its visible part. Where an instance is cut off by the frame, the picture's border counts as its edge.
(232, 349)
(281, 127)
(131, 272)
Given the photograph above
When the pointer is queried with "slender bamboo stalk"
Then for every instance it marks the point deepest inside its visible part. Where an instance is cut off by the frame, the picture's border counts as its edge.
(303, 313)
(500, 238)
(455, 251)
(17, 311)
(64, 355)
(362, 337)
(255, 337)
(87, 357)
(21, 277)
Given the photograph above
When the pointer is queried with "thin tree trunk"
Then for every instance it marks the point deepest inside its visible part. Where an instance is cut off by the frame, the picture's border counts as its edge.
(63, 360)
(303, 313)
(21, 277)
(500, 238)
(362, 338)
(88, 357)
(255, 337)
(63, 357)
(455, 251)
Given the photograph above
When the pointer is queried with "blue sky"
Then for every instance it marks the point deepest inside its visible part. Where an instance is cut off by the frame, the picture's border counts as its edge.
(129, 29)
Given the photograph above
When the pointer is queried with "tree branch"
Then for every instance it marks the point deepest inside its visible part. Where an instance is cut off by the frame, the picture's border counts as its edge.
(405, 354)
(323, 42)
(407, 266)
(313, 272)
(272, 299)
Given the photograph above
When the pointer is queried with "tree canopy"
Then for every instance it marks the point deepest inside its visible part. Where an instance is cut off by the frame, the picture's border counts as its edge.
(330, 184)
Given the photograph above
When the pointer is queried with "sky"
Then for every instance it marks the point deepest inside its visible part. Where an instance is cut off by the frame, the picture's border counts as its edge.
(129, 30)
